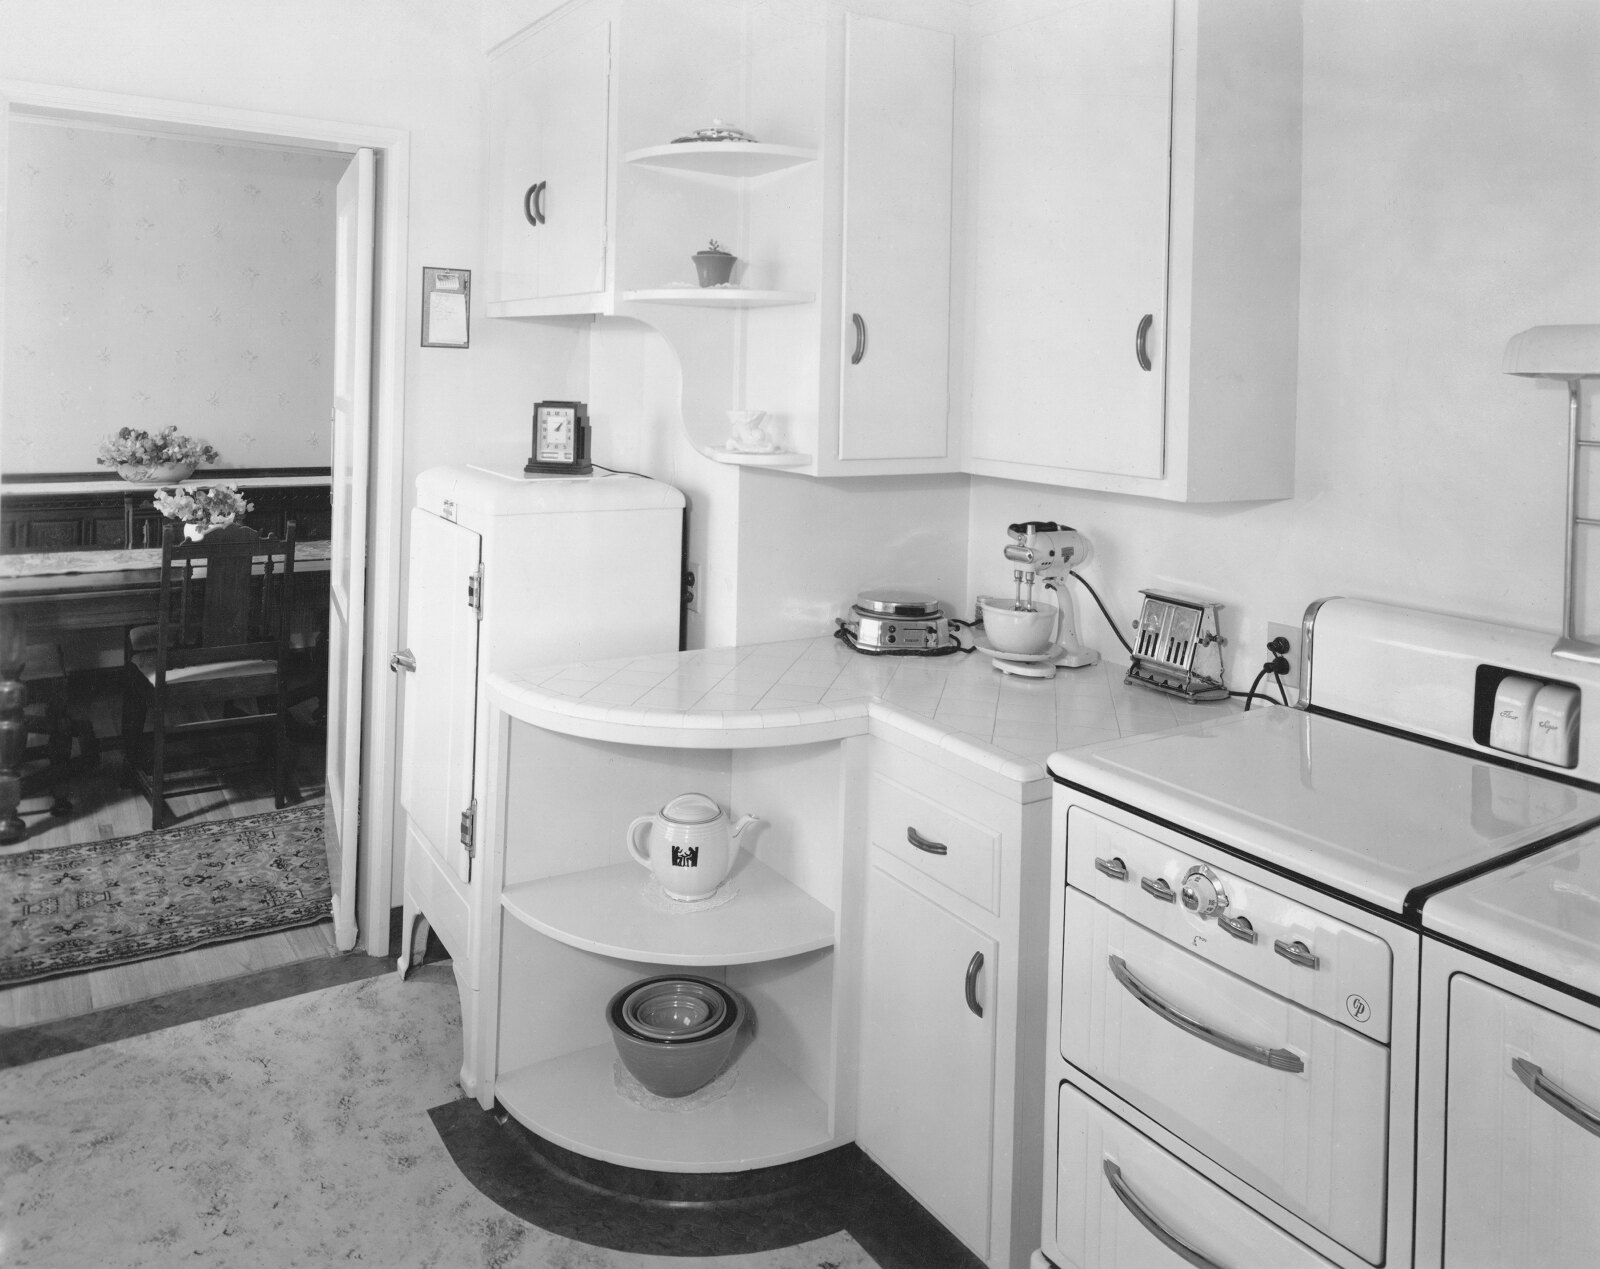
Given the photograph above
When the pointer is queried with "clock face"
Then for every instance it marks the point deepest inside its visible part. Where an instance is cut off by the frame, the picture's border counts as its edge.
(556, 441)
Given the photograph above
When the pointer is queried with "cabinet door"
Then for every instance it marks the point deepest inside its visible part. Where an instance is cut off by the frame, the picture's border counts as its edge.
(515, 111)
(1519, 1173)
(927, 1060)
(574, 126)
(1070, 228)
(441, 694)
(899, 120)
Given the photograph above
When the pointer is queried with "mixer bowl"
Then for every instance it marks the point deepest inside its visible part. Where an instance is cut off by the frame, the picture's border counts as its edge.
(676, 1065)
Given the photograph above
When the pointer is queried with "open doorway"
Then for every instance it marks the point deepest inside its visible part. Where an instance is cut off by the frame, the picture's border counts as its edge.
(371, 493)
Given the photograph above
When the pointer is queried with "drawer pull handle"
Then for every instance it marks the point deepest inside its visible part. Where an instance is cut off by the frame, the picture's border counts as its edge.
(1148, 1219)
(1239, 927)
(1141, 350)
(528, 212)
(861, 339)
(1113, 867)
(1277, 1059)
(923, 843)
(1553, 1095)
(974, 968)
(1297, 952)
(1157, 887)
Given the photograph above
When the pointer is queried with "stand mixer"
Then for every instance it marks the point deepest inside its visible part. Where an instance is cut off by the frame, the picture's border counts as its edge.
(1046, 552)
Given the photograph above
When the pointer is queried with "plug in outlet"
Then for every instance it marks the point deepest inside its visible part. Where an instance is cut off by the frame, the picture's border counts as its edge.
(1292, 656)
(691, 587)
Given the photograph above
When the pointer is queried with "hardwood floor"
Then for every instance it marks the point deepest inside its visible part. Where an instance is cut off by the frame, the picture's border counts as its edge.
(103, 809)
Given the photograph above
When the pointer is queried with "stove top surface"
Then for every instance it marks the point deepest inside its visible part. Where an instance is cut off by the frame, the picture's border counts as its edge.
(1379, 817)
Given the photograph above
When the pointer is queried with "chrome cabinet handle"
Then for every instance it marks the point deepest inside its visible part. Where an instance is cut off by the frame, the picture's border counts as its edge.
(1113, 867)
(1140, 350)
(1297, 952)
(1239, 927)
(538, 200)
(403, 660)
(1158, 888)
(528, 207)
(1277, 1059)
(923, 843)
(861, 339)
(1148, 1219)
(974, 968)
(1554, 1096)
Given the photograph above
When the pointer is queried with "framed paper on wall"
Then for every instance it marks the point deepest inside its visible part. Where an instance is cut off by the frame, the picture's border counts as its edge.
(446, 307)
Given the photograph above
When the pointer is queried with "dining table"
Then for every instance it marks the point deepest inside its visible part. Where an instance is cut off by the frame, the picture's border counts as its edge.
(46, 594)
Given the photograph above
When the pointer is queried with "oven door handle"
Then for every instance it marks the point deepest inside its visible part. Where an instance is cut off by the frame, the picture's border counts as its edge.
(1148, 1219)
(1554, 1096)
(1277, 1059)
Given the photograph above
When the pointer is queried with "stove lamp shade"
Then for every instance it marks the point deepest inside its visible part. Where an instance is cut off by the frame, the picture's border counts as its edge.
(1554, 352)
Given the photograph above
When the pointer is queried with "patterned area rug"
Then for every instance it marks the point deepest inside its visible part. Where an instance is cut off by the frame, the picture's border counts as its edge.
(69, 908)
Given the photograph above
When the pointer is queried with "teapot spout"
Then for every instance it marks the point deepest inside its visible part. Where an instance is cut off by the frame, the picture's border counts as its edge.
(743, 822)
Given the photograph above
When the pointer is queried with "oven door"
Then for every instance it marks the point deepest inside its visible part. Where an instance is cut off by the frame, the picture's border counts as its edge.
(1122, 1202)
(1289, 1102)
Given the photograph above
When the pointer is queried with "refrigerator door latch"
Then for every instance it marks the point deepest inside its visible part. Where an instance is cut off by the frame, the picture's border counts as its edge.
(475, 591)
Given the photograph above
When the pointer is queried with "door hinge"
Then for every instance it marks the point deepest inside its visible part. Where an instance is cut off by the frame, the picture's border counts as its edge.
(475, 592)
(469, 828)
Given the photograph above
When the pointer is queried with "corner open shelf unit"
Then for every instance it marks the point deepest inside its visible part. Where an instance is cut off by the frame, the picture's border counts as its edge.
(576, 919)
(734, 458)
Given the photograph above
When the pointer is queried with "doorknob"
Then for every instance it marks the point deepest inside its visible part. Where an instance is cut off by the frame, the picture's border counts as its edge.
(403, 660)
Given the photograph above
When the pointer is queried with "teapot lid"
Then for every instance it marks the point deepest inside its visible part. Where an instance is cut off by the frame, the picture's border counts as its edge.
(691, 808)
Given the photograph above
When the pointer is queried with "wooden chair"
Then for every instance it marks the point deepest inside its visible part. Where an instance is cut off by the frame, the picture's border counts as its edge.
(221, 638)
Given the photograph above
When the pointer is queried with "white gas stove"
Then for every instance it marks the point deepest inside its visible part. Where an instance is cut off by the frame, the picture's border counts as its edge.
(1237, 956)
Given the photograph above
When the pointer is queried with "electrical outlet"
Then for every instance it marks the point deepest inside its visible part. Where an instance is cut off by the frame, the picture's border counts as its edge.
(691, 587)
(1292, 634)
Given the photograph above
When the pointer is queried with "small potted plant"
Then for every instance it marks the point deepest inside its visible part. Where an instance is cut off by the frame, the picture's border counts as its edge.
(714, 265)
(154, 457)
(200, 509)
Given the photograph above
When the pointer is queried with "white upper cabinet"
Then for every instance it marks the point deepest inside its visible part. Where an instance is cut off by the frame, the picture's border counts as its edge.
(1135, 247)
(549, 157)
(899, 110)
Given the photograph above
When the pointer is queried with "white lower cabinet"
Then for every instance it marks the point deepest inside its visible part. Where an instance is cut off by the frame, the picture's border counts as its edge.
(1522, 1124)
(950, 1094)
(927, 1053)
(1122, 1202)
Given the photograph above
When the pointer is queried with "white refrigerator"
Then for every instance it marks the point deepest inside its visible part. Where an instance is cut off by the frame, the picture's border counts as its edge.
(510, 571)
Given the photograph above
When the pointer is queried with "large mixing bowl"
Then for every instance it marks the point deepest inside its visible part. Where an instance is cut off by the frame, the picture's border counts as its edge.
(675, 1066)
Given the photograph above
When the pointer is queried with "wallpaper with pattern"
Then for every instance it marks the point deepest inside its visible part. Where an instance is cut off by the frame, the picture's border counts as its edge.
(155, 280)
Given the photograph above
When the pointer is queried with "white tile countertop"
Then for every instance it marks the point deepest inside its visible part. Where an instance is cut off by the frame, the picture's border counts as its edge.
(803, 690)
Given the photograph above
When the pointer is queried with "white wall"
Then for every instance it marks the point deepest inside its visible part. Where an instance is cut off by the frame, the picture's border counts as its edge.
(1451, 198)
(162, 281)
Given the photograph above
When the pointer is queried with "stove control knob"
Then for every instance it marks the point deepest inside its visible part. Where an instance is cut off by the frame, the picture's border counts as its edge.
(1202, 893)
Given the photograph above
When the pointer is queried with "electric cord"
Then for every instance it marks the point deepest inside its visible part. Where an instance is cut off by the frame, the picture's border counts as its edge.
(617, 471)
(1277, 666)
(1115, 629)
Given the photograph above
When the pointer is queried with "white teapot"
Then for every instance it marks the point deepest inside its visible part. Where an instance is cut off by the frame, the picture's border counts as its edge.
(688, 845)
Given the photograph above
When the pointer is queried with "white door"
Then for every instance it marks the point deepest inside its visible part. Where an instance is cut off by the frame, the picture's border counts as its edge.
(899, 120)
(441, 692)
(927, 1059)
(574, 125)
(352, 383)
(1070, 226)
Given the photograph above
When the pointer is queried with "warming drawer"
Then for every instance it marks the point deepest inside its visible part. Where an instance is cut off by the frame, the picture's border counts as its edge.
(1122, 1202)
(1288, 1101)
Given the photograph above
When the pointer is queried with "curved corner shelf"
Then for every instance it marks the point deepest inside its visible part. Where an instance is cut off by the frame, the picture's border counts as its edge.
(619, 911)
(781, 458)
(719, 296)
(722, 158)
(769, 1117)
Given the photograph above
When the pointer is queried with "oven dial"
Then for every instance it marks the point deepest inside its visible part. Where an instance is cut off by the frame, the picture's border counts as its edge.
(1202, 893)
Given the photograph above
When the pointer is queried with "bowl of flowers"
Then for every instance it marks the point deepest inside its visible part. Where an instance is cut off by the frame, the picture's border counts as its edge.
(154, 457)
(201, 508)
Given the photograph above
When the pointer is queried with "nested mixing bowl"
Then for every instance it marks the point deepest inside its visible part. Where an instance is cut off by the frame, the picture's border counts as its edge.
(674, 1033)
